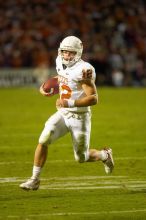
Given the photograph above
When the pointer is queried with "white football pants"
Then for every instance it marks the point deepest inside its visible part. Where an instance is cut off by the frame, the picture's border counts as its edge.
(78, 124)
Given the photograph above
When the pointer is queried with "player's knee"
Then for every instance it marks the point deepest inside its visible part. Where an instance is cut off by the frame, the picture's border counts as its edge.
(45, 139)
(80, 158)
(42, 145)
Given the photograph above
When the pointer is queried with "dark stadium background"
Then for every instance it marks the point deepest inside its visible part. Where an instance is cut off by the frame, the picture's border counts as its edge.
(113, 33)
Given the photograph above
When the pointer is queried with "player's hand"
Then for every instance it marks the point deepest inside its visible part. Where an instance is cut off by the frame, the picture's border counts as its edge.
(61, 103)
(45, 93)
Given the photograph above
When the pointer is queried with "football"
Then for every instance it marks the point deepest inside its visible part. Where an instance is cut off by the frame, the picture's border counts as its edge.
(51, 86)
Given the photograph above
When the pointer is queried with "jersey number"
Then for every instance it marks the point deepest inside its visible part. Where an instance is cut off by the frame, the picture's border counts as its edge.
(87, 74)
(65, 92)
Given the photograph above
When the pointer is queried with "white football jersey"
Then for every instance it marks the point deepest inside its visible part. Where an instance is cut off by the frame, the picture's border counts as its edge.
(69, 81)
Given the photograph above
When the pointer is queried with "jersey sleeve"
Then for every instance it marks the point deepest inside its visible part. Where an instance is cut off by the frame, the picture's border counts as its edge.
(85, 72)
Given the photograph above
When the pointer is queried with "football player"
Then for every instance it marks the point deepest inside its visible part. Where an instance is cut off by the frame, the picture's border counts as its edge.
(78, 92)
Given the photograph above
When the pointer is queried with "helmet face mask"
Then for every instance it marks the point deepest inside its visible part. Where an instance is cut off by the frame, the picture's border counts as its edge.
(72, 44)
(68, 57)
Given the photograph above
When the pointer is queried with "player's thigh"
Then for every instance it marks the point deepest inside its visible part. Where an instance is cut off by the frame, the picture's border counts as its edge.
(81, 137)
(54, 128)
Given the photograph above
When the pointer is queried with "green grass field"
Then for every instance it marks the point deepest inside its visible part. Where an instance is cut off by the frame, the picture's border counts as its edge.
(70, 190)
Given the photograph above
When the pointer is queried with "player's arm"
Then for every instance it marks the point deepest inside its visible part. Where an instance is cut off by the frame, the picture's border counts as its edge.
(91, 97)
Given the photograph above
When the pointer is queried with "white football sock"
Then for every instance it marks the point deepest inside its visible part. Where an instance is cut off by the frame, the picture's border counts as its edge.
(36, 172)
(102, 155)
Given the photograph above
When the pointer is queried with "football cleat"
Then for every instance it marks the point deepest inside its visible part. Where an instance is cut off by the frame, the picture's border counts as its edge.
(31, 184)
(109, 162)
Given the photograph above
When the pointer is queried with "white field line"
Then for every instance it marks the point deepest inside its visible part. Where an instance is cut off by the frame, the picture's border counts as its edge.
(95, 184)
(84, 183)
(95, 187)
(69, 161)
(81, 213)
(74, 178)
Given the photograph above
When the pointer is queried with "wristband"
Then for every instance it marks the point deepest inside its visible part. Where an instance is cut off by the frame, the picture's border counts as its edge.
(71, 103)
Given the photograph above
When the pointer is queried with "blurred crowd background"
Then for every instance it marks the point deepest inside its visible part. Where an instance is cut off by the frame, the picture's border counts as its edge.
(113, 34)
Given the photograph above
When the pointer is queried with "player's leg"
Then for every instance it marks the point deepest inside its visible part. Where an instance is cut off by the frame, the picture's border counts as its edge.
(40, 155)
(54, 128)
(80, 125)
(81, 130)
(105, 155)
